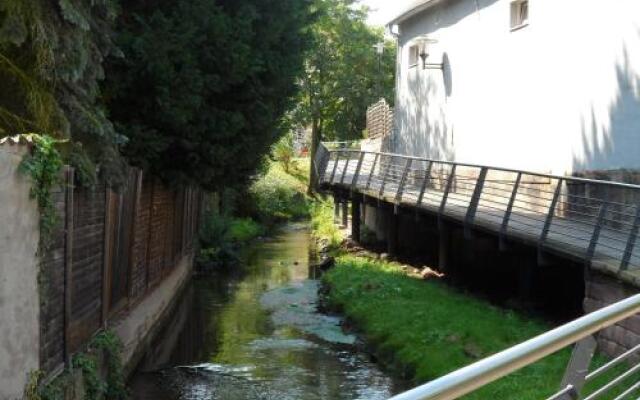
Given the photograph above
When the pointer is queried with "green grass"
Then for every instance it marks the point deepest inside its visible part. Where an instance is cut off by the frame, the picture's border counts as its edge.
(427, 329)
(322, 224)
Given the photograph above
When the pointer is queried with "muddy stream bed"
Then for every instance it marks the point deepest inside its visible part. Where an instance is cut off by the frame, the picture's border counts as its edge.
(256, 333)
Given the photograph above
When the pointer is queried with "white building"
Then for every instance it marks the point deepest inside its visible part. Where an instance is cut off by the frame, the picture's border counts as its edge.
(543, 85)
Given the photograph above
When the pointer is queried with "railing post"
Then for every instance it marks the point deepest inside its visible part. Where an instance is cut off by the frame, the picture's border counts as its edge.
(335, 166)
(425, 183)
(507, 213)
(356, 176)
(552, 210)
(384, 177)
(475, 200)
(346, 167)
(445, 195)
(633, 235)
(373, 168)
(596, 233)
(578, 367)
(403, 180)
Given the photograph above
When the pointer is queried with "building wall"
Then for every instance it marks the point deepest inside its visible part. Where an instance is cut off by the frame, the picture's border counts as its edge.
(559, 95)
(19, 299)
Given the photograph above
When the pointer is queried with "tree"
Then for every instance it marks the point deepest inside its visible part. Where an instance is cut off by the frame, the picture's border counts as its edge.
(204, 83)
(51, 66)
(343, 74)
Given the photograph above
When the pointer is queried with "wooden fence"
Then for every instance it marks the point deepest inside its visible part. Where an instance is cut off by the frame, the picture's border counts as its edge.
(109, 250)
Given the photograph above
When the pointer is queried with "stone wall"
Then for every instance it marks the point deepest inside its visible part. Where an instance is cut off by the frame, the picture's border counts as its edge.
(603, 290)
(19, 299)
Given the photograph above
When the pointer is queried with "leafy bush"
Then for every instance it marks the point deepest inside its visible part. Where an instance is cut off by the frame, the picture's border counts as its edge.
(323, 225)
(278, 196)
(243, 230)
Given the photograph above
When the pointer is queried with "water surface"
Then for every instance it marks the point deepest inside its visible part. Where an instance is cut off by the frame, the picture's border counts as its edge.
(256, 334)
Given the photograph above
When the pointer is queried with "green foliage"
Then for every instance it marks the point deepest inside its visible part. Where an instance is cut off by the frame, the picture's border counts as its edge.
(279, 196)
(43, 164)
(243, 230)
(323, 225)
(217, 76)
(51, 55)
(344, 75)
(283, 151)
(107, 344)
(216, 248)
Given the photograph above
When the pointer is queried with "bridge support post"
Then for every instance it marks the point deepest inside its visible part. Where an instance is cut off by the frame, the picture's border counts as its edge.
(336, 209)
(355, 219)
(392, 231)
(444, 238)
(345, 213)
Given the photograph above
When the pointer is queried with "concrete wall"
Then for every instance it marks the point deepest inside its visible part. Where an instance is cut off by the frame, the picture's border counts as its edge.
(19, 300)
(561, 94)
(138, 328)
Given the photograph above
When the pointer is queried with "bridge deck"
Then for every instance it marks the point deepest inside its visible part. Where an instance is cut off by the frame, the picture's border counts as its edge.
(592, 221)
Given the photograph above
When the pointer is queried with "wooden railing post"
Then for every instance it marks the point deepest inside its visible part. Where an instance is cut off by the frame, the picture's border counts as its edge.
(403, 180)
(551, 213)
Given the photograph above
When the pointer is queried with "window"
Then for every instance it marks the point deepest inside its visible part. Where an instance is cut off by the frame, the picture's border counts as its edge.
(414, 55)
(519, 14)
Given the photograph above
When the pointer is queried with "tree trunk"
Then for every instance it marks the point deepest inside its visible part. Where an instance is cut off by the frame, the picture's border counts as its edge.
(316, 132)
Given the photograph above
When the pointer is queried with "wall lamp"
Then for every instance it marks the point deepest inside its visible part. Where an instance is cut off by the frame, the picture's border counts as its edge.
(423, 43)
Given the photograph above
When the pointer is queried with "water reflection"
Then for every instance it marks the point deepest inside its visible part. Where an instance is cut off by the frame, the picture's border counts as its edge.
(257, 335)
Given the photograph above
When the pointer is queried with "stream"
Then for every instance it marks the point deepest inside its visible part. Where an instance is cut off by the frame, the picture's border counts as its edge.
(256, 333)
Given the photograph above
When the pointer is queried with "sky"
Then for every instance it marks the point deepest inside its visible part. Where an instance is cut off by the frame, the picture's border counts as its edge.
(382, 11)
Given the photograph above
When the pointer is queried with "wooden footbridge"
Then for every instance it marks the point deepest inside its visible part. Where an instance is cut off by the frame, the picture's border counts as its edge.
(588, 220)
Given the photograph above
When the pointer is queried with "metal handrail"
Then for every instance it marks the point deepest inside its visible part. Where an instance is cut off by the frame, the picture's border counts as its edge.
(502, 169)
(490, 369)
(604, 228)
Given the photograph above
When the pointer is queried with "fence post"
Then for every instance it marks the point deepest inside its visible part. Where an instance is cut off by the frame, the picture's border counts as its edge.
(68, 261)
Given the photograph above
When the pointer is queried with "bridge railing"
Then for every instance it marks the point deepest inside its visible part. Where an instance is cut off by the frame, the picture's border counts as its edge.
(620, 383)
(589, 220)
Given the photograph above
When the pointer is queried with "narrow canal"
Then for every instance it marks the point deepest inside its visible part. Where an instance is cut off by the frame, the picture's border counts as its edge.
(256, 334)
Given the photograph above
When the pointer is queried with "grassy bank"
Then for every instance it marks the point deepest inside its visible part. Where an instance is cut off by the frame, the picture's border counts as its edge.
(427, 329)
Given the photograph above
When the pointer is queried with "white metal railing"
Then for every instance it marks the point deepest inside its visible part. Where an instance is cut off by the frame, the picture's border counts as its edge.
(481, 373)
